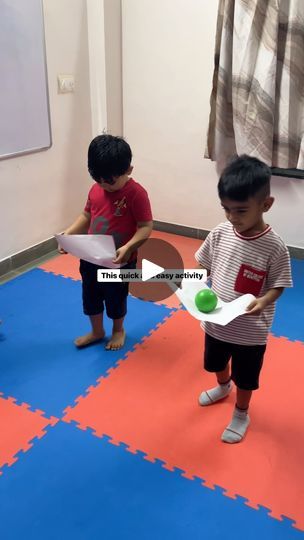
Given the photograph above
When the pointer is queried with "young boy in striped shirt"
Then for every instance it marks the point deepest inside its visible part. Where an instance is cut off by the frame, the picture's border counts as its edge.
(243, 255)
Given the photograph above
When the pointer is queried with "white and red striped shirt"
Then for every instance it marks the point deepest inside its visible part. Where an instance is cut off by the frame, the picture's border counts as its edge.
(240, 265)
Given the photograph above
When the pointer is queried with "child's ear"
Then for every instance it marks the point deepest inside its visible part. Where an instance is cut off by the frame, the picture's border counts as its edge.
(130, 169)
(268, 203)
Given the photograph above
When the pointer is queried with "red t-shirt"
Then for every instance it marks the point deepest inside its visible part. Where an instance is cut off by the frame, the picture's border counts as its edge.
(117, 213)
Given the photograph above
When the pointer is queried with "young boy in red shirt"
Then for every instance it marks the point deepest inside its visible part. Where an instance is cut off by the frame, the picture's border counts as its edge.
(118, 206)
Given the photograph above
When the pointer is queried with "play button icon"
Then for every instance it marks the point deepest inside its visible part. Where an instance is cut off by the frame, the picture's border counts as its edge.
(150, 270)
(156, 256)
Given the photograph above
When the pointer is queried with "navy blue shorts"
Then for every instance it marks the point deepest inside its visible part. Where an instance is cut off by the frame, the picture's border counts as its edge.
(246, 361)
(97, 296)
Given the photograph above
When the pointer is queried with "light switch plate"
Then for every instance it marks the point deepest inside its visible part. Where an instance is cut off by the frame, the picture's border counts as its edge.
(66, 83)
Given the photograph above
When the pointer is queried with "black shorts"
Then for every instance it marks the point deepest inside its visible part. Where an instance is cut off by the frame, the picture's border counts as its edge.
(246, 361)
(97, 295)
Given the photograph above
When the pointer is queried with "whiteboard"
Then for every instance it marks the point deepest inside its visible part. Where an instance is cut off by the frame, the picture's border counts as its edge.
(24, 102)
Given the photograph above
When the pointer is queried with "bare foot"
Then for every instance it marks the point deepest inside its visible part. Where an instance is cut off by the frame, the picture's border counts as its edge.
(89, 339)
(117, 341)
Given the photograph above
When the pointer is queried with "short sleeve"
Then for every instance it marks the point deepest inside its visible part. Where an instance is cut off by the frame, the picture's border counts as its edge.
(141, 207)
(88, 205)
(279, 271)
(204, 254)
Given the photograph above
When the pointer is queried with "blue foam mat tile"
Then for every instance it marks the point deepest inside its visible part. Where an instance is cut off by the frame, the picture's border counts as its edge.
(42, 315)
(289, 319)
(264, 509)
(241, 499)
(288, 522)
(72, 485)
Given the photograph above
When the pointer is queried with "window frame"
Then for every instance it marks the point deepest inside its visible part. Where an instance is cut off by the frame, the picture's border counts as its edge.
(289, 173)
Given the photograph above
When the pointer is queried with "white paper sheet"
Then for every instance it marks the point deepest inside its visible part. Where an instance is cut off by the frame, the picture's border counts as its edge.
(95, 248)
(222, 314)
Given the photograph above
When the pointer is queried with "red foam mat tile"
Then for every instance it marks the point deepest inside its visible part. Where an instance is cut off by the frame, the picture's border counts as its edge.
(18, 426)
(63, 265)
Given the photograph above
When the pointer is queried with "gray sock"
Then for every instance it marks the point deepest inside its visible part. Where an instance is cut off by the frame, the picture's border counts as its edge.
(237, 428)
(215, 394)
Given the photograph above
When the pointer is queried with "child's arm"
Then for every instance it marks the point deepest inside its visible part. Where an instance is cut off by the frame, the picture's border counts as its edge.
(144, 229)
(80, 226)
(259, 304)
(279, 277)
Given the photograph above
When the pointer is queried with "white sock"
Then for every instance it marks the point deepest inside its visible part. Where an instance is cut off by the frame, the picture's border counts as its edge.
(215, 394)
(237, 428)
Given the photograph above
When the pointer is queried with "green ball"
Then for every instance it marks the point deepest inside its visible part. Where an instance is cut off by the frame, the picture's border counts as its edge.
(206, 300)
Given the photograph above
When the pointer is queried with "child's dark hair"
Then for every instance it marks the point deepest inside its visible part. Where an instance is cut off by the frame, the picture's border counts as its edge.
(243, 178)
(108, 156)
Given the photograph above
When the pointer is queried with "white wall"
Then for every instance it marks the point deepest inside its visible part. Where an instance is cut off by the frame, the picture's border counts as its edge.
(168, 49)
(113, 61)
(41, 193)
(105, 57)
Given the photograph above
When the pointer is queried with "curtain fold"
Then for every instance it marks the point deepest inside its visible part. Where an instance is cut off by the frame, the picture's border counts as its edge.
(257, 100)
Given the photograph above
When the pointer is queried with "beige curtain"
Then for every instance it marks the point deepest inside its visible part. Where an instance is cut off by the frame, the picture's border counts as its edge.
(257, 101)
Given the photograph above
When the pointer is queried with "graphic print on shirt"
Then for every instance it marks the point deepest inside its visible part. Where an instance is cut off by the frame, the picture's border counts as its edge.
(249, 280)
(100, 225)
(119, 206)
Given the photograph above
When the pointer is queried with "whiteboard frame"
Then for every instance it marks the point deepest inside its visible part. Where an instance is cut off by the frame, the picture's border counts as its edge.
(38, 148)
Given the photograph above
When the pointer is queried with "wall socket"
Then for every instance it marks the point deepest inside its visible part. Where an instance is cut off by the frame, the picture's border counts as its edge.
(66, 83)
